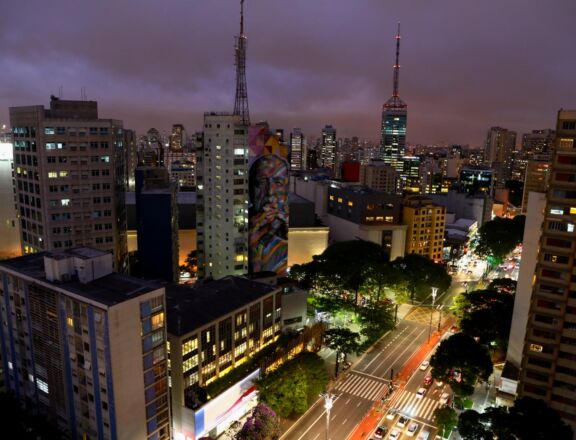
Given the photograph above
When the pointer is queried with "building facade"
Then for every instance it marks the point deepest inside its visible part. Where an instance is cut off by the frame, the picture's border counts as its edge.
(85, 345)
(379, 176)
(298, 151)
(328, 147)
(222, 197)
(536, 178)
(549, 354)
(498, 152)
(70, 178)
(242, 316)
(426, 223)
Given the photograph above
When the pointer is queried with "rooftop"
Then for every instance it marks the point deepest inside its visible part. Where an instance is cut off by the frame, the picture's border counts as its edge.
(108, 290)
(189, 308)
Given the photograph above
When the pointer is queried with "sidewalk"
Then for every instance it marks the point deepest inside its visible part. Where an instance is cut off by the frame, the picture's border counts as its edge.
(370, 422)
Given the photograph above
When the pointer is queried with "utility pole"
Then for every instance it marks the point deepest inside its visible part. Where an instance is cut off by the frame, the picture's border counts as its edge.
(434, 293)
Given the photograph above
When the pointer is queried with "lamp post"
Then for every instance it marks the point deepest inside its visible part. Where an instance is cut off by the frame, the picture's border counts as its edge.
(434, 293)
(329, 399)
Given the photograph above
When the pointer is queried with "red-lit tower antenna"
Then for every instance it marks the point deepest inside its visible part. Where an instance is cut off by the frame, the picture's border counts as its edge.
(241, 101)
(397, 65)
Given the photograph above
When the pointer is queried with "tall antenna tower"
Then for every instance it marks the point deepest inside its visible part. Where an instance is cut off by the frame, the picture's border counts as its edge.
(241, 102)
(395, 102)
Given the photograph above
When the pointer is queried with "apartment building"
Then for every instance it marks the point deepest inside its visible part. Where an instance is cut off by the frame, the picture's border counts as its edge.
(85, 345)
(548, 365)
(426, 223)
(70, 177)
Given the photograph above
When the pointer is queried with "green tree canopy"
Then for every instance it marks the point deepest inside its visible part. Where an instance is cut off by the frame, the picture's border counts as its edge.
(461, 361)
(486, 314)
(342, 341)
(528, 419)
(293, 387)
(471, 426)
(446, 419)
(420, 274)
(498, 237)
(375, 319)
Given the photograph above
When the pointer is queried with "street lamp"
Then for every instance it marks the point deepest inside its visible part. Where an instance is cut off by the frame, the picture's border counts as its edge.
(329, 399)
(434, 293)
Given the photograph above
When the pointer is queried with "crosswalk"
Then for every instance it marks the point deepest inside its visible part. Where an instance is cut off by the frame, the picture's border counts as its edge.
(412, 406)
(367, 387)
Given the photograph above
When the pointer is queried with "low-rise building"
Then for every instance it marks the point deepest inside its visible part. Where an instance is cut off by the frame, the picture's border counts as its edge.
(426, 223)
(213, 328)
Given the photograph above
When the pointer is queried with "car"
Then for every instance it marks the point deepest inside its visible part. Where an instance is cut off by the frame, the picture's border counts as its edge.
(424, 434)
(394, 434)
(424, 365)
(444, 398)
(380, 432)
(402, 421)
(392, 413)
(412, 428)
(420, 393)
(439, 383)
(427, 380)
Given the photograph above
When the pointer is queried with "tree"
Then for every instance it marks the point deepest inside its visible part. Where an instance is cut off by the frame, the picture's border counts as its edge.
(534, 419)
(470, 426)
(378, 276)
(487, 314)
(375, 319)
(342, 341)
(262, 424)
(192, 263)
(446, 419)
(342, 264)
(293, 387)
(420, 273)
(461, 361)
(499, 237)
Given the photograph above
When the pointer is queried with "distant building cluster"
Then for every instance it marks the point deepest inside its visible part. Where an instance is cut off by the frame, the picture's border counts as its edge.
(152, 265)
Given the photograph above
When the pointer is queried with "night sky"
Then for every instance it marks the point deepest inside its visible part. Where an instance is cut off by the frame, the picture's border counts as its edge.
(466, 64)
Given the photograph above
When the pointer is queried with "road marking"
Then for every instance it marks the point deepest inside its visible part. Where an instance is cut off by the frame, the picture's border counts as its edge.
(348, 401)
(403, 351)
(312, 424)
(317, 435)
(392, 351)
(344, 422)
(359, 403)
(382, 351)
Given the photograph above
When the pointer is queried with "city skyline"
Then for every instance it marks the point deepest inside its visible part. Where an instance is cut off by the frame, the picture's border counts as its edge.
(465, 67)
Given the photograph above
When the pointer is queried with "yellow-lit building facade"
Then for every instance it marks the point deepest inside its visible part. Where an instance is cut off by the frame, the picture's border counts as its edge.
(426, 222)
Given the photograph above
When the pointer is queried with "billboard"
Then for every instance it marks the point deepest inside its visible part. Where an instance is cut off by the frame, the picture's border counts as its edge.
(268, 204)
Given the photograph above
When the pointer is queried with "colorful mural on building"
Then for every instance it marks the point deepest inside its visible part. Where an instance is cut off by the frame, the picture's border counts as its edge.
(268, 208)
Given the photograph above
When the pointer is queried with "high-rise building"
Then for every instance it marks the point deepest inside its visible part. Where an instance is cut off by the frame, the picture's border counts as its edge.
(538, 142)
(297, 150)
(549, 355)
(536, 178)
(85, 345)
(498, 153)
(426, 223)
(70, 178)
(328, 147)
(177, 138)
(157, 224)
(222, 197)
(394, 118)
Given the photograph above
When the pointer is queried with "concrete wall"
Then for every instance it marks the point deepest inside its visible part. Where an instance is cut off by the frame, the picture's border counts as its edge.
(530, 244)
(304, 243)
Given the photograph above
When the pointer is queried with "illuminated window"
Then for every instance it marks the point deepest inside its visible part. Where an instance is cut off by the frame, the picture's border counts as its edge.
(350, 204)
(572, 210)
(157, 320)
(239, 258)
(63, 173)
(239, 151)
(339, 199)
(189, 346)
(535, 347)
(65, 202)
(52, 174)
(369, 219)
(70, 322)
(331, 197)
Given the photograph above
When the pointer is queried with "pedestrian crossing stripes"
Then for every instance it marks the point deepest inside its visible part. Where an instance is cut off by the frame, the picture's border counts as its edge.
(412, 406)
(362, 386)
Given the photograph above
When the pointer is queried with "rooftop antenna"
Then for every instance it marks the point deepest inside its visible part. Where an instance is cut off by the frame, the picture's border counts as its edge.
(241, 101)
(397, 64)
